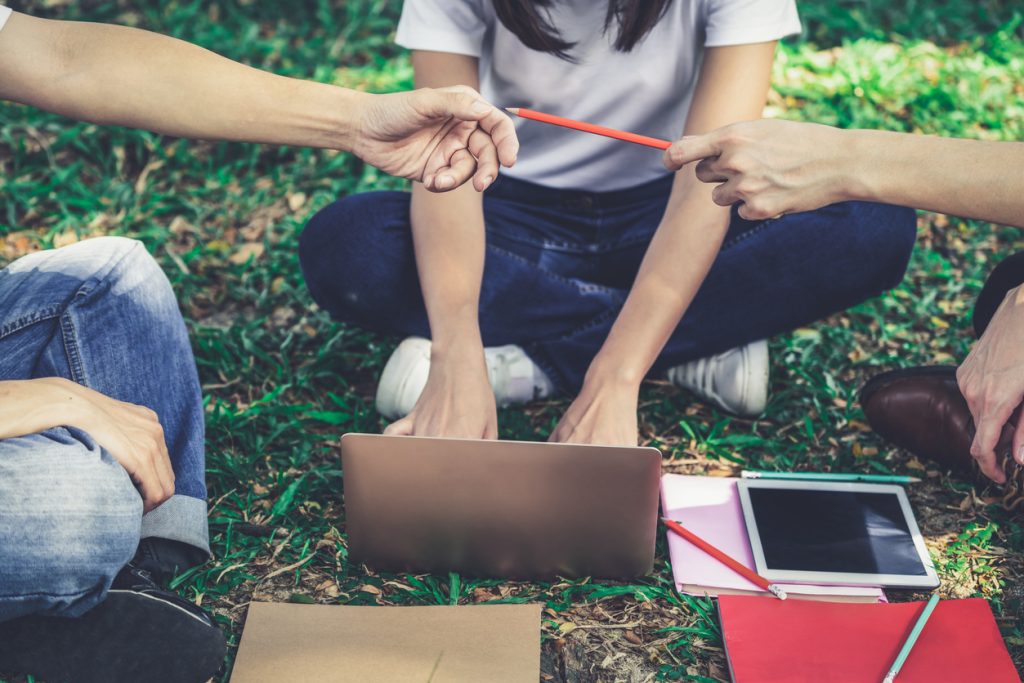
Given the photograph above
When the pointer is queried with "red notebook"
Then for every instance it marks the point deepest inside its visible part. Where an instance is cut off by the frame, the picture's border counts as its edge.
(793, 641)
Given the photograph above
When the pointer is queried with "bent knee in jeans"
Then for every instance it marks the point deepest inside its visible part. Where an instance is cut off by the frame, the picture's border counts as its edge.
(69, 521)
(358, 261)
(884, 237)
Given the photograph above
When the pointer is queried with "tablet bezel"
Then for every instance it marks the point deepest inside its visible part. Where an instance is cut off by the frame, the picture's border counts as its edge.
(929, 580)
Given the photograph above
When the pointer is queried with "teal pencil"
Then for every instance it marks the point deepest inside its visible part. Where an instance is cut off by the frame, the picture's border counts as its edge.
(911, 639)
(832, 476)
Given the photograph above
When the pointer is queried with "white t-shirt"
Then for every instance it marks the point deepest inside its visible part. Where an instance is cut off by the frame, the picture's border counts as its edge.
(5, 14)
(647, 90)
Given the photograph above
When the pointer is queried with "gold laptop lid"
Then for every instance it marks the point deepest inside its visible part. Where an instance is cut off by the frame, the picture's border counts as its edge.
(507, 509)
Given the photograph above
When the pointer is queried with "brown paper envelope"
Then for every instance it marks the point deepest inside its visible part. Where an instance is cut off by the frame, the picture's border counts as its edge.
(430, 644)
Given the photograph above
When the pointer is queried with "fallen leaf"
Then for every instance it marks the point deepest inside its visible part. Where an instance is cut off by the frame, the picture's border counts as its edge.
(248, 250)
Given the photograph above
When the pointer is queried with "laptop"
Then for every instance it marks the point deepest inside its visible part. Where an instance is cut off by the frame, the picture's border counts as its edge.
(502, 509)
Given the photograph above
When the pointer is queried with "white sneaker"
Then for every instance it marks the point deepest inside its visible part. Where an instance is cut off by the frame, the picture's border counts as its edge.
(513, 376)
(736, 381)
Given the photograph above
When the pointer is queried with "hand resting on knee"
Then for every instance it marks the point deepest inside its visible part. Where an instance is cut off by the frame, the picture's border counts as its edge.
(130, 433)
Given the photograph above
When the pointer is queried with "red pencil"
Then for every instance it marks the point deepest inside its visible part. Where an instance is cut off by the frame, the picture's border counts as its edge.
(589, 127)
(737, 567)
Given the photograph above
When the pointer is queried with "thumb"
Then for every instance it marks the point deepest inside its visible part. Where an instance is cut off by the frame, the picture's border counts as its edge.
(401, 427)
(459, 102)
(691, 148)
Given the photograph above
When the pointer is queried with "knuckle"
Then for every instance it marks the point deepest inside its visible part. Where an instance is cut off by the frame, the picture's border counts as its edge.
(757, 209)
(740, 163)
(730, 135)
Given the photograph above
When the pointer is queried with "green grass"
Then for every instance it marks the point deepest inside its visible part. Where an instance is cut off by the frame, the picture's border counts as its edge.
(283, 382)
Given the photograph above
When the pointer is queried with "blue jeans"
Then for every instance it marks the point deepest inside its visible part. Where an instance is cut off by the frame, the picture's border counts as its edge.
(101, 313)
(559, 265)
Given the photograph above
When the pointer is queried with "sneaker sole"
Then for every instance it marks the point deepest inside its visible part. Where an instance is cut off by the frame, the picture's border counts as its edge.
(128, 638)
(757, 357)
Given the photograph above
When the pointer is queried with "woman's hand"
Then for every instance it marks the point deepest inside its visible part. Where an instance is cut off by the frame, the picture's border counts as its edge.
(130, 433)
(604, 414)
(440, 137)
(770, 167)
(457, 401)
(992, 381)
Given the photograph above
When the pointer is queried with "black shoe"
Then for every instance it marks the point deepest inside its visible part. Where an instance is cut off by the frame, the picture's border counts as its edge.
(164, 559)
(139, 633)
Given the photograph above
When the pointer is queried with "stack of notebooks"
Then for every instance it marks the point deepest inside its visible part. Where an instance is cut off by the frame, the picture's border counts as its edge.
(710, 507)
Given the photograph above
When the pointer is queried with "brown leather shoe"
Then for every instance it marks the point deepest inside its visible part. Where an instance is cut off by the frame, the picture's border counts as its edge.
(922, 410)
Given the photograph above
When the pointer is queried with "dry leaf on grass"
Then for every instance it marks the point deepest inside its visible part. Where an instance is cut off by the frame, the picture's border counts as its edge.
(248, 250)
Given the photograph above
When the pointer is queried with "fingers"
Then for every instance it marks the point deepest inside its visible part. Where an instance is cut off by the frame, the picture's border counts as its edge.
(155, 462)
(438, 174)
(401, 427)
(460, 169)
(502, 132)
(481, 147)
(462, 102)
(989, 427)
(465, 104)
(726, 194)
(1018, 441)
(163, 464)
(710, 171)
(491, 426)
(691, 148)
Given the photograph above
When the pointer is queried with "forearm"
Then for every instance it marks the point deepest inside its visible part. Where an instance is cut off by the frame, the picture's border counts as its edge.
(125, 76)
(732, 86)
(676, 262)
(33, 406)
(448, 233)
(971, 178)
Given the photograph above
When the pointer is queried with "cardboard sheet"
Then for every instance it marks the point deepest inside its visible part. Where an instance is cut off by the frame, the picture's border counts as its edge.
(342, 644)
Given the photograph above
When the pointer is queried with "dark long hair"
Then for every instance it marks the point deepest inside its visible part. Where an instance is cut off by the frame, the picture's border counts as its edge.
(529, 21)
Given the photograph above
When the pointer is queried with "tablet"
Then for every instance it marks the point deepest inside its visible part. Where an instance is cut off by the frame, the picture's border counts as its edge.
(831, 532)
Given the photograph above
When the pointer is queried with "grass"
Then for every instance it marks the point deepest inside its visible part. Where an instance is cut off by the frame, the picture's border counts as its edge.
(283, 382)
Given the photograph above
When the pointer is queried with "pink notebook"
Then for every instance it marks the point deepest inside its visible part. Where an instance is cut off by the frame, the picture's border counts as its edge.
(710, 508)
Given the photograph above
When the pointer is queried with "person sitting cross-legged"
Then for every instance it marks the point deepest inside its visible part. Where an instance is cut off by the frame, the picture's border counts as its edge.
(102, 494)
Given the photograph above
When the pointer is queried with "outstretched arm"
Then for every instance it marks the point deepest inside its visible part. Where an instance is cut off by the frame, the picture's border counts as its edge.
(125, 76)
(776, 167)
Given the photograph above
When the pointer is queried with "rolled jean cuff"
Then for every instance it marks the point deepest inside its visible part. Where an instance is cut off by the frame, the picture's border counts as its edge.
(181, 518)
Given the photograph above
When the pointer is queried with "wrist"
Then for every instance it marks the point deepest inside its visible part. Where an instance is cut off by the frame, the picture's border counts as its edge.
(68, 401)
(611, 374)
(456, 344)
(343, 112)
(856, 179)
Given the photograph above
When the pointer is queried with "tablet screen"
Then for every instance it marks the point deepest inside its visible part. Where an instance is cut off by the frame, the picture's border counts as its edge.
(834, 531)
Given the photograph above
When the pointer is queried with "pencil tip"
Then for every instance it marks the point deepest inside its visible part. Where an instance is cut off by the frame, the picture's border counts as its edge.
(512, 110)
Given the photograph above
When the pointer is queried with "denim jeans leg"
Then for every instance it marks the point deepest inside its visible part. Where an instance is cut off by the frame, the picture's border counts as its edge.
(772, 277)
(359, 263)
(69, 521)
(778, 275)
(102, 313)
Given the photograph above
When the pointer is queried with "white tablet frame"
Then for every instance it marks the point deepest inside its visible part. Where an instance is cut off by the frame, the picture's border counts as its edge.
(929, 580)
